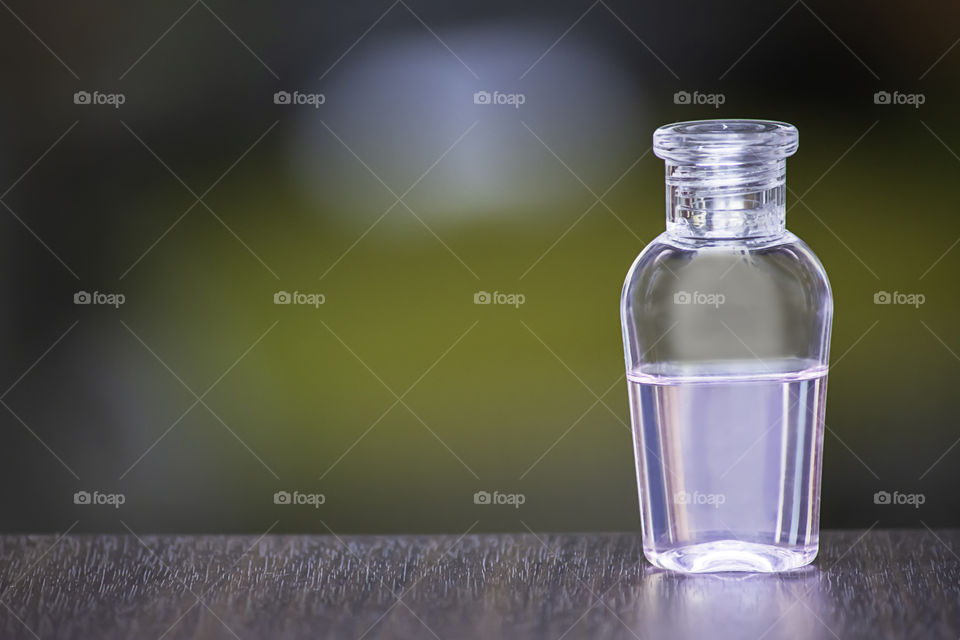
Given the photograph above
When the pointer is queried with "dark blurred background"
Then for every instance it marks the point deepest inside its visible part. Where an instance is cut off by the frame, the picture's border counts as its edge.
(187, 182)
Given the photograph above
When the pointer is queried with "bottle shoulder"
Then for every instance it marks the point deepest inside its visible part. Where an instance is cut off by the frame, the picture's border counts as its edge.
(786, 251)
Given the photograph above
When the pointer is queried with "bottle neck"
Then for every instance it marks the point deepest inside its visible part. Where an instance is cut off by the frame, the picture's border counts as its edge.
(726, 200)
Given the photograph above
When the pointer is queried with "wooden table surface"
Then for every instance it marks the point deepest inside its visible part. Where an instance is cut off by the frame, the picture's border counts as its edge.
(875, 584)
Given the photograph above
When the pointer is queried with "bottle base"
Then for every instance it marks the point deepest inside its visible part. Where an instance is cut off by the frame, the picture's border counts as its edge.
(731, 555)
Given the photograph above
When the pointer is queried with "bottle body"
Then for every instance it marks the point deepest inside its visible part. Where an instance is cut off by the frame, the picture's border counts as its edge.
(726, 342)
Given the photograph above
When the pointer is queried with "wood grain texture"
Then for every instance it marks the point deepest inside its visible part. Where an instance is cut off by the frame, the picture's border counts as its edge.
(878, 584)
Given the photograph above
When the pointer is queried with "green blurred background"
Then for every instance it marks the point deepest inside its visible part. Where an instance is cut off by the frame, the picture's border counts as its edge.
(551, 200)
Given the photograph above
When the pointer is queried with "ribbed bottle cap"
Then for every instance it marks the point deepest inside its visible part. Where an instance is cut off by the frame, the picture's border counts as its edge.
(725, 178)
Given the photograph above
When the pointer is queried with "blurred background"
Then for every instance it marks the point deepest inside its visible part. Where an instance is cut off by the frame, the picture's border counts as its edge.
(173, 173)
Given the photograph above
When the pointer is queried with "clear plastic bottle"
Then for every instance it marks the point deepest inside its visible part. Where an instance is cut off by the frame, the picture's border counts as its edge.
(726, 330)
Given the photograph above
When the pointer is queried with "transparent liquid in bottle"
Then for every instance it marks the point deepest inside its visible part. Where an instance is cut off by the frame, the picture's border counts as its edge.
(732, 466)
